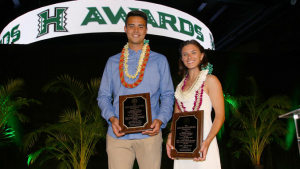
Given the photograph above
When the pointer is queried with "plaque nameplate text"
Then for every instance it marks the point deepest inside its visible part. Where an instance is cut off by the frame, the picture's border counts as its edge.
(135, 113)
(187, 134)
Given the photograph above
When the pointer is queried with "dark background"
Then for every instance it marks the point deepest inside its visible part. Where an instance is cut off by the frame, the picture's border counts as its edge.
(252, 38)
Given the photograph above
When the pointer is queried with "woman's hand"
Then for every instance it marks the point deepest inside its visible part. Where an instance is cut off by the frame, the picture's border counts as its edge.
(203, 151)
(169, 147)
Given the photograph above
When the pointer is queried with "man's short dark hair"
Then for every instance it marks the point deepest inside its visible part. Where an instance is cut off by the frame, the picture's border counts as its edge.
(136, 13)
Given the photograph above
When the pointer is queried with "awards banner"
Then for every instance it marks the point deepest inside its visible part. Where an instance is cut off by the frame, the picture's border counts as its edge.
(101, 16)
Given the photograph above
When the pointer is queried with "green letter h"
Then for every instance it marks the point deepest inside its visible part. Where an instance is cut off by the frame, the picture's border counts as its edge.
(59, 21)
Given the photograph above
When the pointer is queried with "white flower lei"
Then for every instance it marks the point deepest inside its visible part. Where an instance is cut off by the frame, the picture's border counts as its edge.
(187, 96)
(142, 56)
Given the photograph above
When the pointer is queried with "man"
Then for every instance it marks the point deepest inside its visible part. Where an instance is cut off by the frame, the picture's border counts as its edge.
(131, 79)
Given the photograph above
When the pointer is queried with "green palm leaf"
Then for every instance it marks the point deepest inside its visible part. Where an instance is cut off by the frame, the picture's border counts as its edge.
(73, 139)
(11, 101)
(255, 121)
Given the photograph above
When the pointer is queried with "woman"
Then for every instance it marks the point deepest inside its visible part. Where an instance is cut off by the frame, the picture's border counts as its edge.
(199, 90)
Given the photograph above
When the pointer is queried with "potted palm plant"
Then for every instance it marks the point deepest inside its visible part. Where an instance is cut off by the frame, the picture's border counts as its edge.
(72, 140)
(11, 101)
(255, 122)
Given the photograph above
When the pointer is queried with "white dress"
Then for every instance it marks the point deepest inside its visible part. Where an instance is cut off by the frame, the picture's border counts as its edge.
(213, 157)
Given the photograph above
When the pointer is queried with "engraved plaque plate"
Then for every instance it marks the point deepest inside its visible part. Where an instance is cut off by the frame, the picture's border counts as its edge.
(135, 113)
(187, 134)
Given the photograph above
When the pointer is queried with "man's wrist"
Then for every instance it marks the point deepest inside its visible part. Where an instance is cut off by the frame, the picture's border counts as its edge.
(112, 118)
(159, 121)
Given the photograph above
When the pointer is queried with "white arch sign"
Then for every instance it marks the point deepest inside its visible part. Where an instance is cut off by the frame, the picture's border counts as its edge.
(90, 16)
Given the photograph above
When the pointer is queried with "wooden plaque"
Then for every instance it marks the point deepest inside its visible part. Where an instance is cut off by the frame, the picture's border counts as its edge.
(187, 134)
(135, 113)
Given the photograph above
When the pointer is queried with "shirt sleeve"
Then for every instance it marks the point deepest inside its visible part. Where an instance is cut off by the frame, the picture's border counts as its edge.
(105, 93)
(167, 94)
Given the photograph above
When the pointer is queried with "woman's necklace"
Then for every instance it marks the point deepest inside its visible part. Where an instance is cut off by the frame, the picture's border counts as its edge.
(140, 68)
(196, 90)
(192, 81)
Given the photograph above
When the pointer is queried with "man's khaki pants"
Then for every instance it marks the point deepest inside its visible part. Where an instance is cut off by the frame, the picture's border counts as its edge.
(122, 153)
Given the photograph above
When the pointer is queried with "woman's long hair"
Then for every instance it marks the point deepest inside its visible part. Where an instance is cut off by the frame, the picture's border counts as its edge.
(183, 70)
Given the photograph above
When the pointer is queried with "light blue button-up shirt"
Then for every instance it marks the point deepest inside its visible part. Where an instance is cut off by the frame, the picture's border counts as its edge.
(157, 81)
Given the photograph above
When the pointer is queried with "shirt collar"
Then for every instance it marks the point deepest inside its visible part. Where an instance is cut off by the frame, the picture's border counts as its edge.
(133, 54)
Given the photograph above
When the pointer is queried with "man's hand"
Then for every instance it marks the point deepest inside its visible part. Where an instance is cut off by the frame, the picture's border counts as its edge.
(155, 126)
(115, 126)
